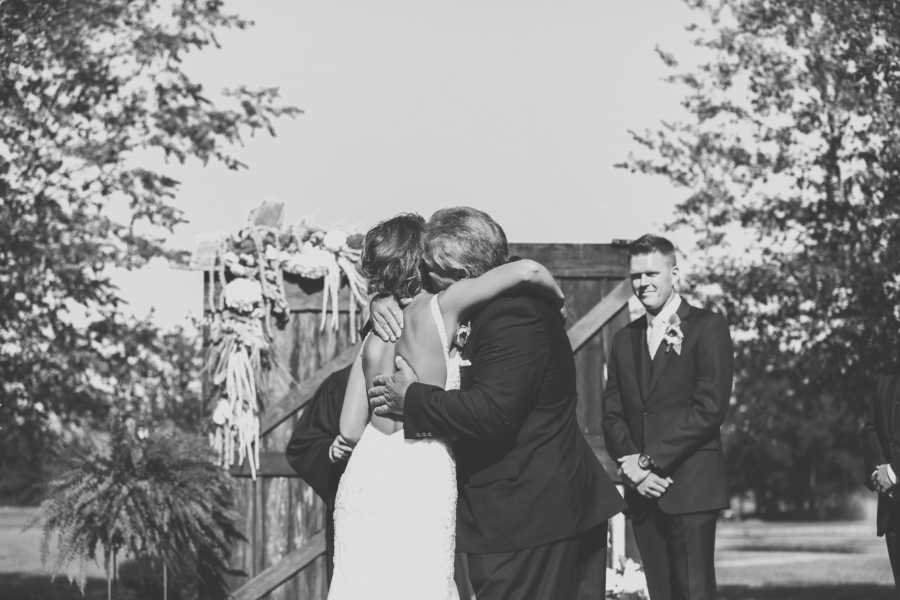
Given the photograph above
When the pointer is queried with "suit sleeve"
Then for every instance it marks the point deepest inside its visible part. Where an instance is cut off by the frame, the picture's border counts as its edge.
(318, 425)
(510, 355)
(615, 427)
(700, 422)
(873, 454)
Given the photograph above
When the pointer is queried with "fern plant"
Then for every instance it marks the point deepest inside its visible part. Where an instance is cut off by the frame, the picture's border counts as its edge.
(155, 493)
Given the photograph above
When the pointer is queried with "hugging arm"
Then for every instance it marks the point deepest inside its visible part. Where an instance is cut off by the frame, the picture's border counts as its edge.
(355, 410)
(466, 294)
(509, 357)
(387, 315)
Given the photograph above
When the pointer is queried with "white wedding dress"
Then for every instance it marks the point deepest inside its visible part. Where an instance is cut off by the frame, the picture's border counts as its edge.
(395, 512)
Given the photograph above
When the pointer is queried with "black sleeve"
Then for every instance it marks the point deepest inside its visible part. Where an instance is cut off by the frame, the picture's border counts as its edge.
(886, 393)
(701, 421)
(510, 354)
(318, 425)
(873, 453)
(615, 428)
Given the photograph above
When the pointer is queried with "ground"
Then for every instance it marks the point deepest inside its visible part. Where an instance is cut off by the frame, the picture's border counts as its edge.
(755, 560)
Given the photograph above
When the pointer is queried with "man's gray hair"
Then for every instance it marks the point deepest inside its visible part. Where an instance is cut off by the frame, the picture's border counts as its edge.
(463, 242)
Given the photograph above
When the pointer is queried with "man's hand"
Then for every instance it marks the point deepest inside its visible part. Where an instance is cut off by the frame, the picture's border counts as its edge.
(340, 449)
(387, 395)
(631, 470)
(882, 479)
(654, 486)
(387, 318)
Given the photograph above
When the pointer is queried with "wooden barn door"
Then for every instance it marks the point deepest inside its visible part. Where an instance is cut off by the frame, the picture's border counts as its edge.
(589, 273)
(283, 518)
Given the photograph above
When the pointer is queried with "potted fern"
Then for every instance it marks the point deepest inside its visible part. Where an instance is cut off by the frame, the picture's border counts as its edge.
(154, 493)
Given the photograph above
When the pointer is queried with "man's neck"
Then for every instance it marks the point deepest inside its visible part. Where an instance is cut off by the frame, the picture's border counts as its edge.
(669, 301)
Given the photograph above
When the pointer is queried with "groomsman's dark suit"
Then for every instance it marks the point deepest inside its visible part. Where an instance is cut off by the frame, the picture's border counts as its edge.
(670, 408)
(530, 486)
(307, 452)
(881, 437)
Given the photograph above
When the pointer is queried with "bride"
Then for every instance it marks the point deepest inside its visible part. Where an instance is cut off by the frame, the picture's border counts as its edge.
(395, 511)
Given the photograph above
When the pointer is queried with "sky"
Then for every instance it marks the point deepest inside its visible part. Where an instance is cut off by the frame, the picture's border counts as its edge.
(520, 109)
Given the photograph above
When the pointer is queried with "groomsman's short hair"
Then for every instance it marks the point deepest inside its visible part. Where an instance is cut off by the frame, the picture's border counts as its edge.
(649, 243)
(463, 242)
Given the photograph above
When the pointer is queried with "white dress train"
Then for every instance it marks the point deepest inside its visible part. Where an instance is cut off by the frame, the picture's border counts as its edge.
(395, 512)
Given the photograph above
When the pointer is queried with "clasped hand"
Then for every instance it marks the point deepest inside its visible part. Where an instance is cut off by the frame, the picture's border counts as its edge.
(881, 479)
(645, 482)
(340, 449)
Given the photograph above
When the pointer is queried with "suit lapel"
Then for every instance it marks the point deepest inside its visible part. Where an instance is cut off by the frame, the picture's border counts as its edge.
(662, 357)
(641, 357)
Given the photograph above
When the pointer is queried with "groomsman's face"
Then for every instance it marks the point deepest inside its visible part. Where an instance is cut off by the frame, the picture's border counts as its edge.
(653, 279)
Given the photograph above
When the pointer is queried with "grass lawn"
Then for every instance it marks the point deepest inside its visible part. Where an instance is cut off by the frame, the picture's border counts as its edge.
(755, 560)
(802, 561)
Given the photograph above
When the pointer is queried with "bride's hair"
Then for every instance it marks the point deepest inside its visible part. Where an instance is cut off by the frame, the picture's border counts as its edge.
(392, 256)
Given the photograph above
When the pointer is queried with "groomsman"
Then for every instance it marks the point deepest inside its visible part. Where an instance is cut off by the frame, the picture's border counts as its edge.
(668, 387)
(881, 439)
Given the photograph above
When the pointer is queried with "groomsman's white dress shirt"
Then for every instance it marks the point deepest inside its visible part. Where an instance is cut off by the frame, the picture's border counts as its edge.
(656, 325)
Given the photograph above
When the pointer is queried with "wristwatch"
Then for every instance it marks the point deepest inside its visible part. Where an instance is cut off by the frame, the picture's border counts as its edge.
(645, 462)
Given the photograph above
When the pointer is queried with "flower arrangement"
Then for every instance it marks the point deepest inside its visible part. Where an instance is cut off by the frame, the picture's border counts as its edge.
(250, 265)
(626, 581)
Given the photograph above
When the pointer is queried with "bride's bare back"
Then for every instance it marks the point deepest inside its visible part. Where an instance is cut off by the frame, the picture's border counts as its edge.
(419, 345)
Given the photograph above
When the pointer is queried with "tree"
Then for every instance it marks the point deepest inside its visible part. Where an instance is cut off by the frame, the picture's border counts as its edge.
(92, 96)
(790, 157)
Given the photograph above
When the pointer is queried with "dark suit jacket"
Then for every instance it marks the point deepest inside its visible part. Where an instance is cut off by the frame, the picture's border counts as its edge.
(527, 475)
(881, 439)
(318, 425)
(672, 407)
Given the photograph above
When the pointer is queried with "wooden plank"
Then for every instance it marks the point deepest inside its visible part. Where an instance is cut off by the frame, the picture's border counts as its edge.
(280, 572)
(299, 395)
(304, 295)
(598, 316)
(577, 260)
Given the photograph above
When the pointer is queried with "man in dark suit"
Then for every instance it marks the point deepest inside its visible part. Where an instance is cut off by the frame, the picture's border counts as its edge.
(668, 387)
(530, 486)
(317, 452)
(881, 438)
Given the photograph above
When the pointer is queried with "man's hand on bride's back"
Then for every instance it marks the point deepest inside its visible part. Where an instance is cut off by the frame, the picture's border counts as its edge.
(387, 396)
(387, 317)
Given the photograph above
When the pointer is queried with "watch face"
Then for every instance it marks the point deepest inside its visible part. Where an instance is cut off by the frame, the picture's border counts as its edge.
(643, 461)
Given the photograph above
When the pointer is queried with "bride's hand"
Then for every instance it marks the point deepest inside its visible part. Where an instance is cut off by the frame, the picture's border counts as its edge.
(387, 318)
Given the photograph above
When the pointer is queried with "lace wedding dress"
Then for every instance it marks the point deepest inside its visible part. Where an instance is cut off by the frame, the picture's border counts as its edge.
(395, 512)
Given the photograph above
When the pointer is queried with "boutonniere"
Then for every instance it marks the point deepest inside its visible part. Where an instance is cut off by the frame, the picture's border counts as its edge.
(673, 336)
(463, 331)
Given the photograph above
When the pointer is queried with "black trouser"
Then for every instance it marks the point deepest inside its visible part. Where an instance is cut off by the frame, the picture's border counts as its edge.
(678, 554)
(893, 545)
(552, 571)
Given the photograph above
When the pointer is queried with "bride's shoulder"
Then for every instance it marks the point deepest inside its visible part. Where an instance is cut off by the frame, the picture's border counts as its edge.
(419, 307)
